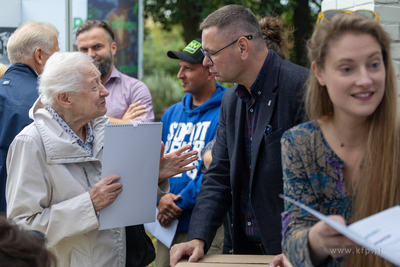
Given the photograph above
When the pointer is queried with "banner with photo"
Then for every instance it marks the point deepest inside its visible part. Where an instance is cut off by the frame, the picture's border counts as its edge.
(123, 17)
(5, 34)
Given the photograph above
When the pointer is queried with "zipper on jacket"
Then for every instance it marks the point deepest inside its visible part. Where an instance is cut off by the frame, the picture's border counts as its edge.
(87, 178)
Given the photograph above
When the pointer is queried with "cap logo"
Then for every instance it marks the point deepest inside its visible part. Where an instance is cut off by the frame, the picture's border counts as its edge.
(192, 47)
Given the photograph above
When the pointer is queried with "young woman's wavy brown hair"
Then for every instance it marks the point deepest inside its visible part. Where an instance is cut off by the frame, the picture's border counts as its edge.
(378, 185)
(275, 37)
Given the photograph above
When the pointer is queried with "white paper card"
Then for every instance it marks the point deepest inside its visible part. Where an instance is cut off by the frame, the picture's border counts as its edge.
(133, 152)
(164, 234)
(379, 233)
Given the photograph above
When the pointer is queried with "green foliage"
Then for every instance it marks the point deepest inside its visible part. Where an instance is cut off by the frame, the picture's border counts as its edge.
(171, 12)
(170, 22)
(228, 85)
(190, 13)
(165, 90)
(159, 70)
(156, 45)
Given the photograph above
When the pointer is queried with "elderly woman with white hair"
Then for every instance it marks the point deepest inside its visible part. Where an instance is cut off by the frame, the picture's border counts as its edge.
(54, 166)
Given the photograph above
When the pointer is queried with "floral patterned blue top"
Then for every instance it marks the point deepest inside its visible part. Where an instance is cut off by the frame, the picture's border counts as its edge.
(312, 175)
(88, 144)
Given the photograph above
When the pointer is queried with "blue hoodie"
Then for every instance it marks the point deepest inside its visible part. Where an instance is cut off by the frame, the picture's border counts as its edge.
(181, 126)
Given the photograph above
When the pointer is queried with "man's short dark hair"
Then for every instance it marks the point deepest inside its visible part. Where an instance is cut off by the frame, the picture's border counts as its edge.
(90, 24)
(232, 19)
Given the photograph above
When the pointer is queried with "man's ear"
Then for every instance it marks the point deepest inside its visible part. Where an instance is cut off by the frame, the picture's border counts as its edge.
(244, 46)
(318, 73)
(64, 100)
(38, 55)
(113, 48)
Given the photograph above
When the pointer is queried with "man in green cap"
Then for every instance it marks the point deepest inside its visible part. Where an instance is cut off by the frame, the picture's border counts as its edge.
(193, 121)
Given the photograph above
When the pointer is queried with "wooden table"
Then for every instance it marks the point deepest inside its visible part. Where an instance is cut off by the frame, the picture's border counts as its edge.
(228, 261)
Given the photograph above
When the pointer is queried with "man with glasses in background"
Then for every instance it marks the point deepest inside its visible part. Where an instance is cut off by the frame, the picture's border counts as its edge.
(246, 169)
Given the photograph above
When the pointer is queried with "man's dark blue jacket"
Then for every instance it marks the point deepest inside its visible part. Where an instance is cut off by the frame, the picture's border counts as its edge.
(281, 109)
(18, 92)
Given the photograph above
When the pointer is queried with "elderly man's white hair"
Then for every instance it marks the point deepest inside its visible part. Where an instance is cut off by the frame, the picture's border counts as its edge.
(64, 72)
(24, 41)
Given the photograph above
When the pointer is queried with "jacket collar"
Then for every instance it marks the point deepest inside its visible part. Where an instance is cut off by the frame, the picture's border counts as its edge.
(214, 101)
(22, 67)
(268, 98)
(115, 74)
(59, 146)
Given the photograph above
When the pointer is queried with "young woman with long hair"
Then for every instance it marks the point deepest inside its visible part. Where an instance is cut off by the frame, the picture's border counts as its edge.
(344, 162)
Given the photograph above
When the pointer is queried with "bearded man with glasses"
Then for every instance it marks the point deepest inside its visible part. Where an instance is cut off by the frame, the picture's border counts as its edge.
(246, 169)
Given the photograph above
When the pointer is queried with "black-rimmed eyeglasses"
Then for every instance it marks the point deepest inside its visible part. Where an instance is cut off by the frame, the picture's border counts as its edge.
(248, 37)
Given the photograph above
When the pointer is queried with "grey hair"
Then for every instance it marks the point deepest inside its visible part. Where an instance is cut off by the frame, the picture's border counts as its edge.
(232, 20)
(64, 72)
(27, 38)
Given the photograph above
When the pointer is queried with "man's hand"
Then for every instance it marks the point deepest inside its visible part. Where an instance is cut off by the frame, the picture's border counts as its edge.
(131, 114)
(134, 111)
(194, 248)
(174, 162)
(167, 209)
(207, 158)
(104, 192)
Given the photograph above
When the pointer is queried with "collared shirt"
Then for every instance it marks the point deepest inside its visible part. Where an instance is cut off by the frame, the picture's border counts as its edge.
(124, 91)
(88, 144)
(252, 102)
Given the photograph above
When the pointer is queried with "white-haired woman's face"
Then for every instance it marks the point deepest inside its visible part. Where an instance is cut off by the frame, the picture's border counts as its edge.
(90, 103)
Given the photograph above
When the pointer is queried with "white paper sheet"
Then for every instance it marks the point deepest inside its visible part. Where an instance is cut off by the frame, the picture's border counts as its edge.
(133, 152)
(164, 234)
(379, 233)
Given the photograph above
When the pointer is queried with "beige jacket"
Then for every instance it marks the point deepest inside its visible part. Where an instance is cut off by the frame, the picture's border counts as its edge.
(49, 176)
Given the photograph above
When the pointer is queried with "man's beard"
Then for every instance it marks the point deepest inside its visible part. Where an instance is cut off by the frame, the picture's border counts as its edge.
(105, 66)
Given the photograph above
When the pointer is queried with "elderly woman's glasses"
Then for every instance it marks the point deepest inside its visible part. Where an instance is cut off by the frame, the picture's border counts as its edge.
(328, 15)
(248, 37)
